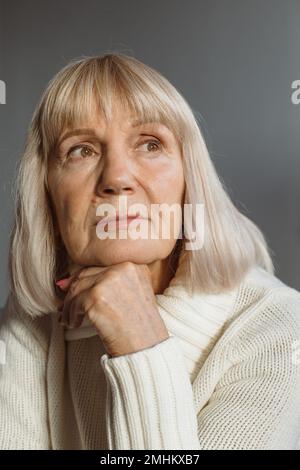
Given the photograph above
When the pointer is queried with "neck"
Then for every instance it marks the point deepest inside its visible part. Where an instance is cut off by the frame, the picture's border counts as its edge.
(162, 271)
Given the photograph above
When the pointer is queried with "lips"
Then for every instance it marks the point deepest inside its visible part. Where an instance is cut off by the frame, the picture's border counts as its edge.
(119, 218)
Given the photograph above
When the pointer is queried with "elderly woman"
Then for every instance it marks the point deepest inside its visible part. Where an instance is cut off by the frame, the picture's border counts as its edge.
(115, 340)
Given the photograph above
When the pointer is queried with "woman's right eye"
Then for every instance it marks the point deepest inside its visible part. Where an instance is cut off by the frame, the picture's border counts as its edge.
(72, 150)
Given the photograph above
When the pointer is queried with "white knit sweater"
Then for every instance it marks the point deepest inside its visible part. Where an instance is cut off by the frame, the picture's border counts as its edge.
(228, 377)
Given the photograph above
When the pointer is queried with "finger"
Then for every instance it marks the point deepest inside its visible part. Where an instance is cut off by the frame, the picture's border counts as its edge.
(65, 283)
(78, 285)
(76, 313)
(88, 271)
(78, 308)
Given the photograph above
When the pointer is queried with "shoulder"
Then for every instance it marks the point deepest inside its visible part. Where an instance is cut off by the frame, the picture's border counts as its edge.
(261, 291)
(17, 327)
(266, 316)
(253, 371)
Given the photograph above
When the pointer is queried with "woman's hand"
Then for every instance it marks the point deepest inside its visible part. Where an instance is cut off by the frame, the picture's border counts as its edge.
(120, 302)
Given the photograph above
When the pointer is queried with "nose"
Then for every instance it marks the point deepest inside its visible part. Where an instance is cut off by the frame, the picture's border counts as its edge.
(116, 177)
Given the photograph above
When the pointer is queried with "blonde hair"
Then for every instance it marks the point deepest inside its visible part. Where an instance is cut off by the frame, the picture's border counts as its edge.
(233, 243)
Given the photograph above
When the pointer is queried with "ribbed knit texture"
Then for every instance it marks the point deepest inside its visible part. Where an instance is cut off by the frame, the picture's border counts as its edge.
(228, 377)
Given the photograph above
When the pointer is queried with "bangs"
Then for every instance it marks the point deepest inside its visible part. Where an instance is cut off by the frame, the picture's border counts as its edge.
(94, 86)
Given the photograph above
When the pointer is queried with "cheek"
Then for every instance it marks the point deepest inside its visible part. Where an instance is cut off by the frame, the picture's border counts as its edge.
(169, 185)
(69, 196)
(168, 188)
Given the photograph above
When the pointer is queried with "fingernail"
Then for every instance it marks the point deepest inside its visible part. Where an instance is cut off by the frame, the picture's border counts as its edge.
(62, 283)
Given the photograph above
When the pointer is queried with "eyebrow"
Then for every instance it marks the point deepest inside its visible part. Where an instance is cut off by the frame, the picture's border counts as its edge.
(83, 131)
(88, 131)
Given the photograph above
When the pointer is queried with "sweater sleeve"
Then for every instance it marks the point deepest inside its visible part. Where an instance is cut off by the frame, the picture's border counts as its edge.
(150, 401)
(246, 395)
(23, 401)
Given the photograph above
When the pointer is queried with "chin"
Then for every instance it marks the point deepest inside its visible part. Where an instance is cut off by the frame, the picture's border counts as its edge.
(137, 251)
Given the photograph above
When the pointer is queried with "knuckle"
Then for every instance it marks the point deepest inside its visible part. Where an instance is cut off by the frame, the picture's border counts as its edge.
(91, 313)
(129, 265)
(112, 276)
(97, 294)
(146, 270)
(82, 273)
(73, 287)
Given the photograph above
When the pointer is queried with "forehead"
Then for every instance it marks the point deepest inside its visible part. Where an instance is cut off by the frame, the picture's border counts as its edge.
(95, 125)
(122, 118)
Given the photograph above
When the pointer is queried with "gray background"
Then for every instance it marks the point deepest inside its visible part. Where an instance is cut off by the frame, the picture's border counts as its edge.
(233, 60)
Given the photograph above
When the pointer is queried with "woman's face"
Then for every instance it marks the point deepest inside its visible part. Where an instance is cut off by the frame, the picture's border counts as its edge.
(142, 163)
